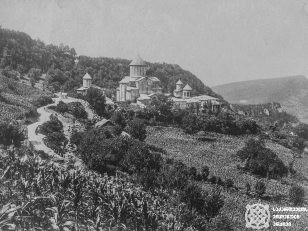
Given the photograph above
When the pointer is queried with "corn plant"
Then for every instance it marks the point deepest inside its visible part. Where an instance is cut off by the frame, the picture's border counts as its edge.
(7, 214)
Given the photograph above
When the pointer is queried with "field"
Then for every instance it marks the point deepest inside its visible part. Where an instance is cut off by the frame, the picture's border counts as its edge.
(219, 156)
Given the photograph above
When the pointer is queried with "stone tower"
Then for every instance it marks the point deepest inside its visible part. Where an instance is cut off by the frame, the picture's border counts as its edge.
(138, 67)
(87, 81)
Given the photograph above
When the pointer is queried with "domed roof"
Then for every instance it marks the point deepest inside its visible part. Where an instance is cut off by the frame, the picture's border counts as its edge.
(187, 88)
(87, 76)
(138, 61)
(179, 82)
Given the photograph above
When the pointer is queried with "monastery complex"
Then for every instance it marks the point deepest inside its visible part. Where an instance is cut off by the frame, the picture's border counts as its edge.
(142, 88)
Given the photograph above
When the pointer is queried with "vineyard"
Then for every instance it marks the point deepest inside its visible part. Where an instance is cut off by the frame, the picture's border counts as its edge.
(219, 155)
(17, 100)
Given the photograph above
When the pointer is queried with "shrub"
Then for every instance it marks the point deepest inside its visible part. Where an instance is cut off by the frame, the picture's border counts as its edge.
(62, 107)
(53, 125)
(119, 119)
(205, 171)
(96, 99)
(213, 180)
(139, 158)
(76, 137)
(297, 195)
(190, 123)
(219, 181)
(213, 203)
(229, 183)
(247, 188)
(56, 141)
(137, 129)
(193, 172)
(10, 134)
(42, 101)
(79, 112)
(260, 188)
(302, 130)
(148, 180)
(192, 196)
(261, 160)
(174, 175)
(199, 177)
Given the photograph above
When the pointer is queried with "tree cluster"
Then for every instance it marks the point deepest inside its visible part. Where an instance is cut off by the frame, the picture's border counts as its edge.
(262, 161)
(53, 130)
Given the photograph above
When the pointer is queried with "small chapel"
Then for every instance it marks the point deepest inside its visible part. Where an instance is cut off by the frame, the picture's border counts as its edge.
(138, 86)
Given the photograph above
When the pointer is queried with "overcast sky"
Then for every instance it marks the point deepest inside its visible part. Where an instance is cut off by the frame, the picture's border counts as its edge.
(220, 41)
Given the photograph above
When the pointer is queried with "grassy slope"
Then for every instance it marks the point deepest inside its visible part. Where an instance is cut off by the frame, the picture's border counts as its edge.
(219, 156)
(17, 98)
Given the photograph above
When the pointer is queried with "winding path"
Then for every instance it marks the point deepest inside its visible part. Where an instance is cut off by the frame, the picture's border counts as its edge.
(37, 139)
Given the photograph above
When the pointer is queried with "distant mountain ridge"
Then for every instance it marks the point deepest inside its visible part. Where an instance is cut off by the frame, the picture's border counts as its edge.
(291, 92)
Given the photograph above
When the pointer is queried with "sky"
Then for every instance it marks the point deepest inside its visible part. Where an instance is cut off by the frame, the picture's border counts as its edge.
(220, 41)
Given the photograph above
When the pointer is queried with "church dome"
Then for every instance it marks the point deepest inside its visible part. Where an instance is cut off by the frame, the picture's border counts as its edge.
(179, 82)
(87, 76)
(138, 61)
(187, 88)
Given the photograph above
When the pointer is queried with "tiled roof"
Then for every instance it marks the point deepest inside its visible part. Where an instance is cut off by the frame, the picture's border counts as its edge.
(82, 88)
(109, 101)
(205, 97)
(103, 122)
(187, 88)
(154, 79)
(126, 79)
(178, 99)
(143, 97)
(138, 61)
(87, 76)
(131, 88)
(139, 79)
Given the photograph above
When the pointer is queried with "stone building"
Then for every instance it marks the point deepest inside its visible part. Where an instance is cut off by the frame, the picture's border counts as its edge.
(183, 98)
(86, 84)
(180, 92)
(138, 86)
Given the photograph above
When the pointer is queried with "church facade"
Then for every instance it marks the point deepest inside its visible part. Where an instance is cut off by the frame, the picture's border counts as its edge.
(138, 86)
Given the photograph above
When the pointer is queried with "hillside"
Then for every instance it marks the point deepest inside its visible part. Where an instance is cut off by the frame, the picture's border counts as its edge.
(18, 51)
(19, 101)
(291, 92)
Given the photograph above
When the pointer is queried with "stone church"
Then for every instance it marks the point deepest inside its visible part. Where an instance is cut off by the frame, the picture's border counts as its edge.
(138, 86)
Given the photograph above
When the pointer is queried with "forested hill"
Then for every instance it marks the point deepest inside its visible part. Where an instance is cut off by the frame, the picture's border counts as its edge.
(291, 92)
(63, 67)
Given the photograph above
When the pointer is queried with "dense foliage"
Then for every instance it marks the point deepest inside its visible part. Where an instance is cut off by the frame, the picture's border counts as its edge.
(266, 114)
(53, 130)
(10, 134)
(137, 129)
(222, 122)
(74, 108)
(297, 195)
(19, 52)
